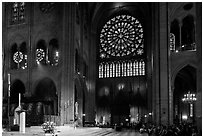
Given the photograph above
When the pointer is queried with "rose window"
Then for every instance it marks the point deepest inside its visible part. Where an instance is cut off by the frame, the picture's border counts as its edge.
(121, 36)
(18, 57)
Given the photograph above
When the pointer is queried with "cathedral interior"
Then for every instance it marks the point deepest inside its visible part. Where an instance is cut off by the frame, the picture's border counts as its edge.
(102, 62)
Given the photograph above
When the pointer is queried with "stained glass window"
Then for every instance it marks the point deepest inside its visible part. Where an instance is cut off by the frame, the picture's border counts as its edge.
(136, 68)
(121, 36)
(18, 57)
(21, 10)
(40, 55)
(18, 13)
(53, 54)
(143, 68)
(172, 42)
(111, 70)
(122, 69)
(100, 71)
(108, 69)
(131, 69)
(119, 68)
(15, 12)
(26, 57)
(105, 71)
(117, 71)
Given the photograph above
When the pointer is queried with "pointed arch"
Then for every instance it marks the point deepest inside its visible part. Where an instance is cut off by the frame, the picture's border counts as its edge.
(17, 87)
(46, 92)
(53, 52)
(41, 51)
(188, 33)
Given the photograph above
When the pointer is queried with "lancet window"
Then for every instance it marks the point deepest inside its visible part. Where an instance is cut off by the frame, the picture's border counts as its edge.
(18, 13)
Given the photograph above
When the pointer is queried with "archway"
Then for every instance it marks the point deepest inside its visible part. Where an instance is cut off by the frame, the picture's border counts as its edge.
(43, 106)
(185, 81)
(16, 88)
(45, 92)
(116, 67)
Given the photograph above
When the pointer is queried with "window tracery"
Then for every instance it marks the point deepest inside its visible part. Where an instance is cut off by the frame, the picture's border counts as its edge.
(19, 56)
(18, 13)
(121, 68)
(41, 52)
(40, 55)
(172, 42)
(121, 36)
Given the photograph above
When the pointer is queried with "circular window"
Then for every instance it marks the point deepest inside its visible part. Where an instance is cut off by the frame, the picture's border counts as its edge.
(18, 57)
(121, 36)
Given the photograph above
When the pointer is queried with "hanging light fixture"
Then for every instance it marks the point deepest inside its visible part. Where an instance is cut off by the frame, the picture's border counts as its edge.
(189, 97)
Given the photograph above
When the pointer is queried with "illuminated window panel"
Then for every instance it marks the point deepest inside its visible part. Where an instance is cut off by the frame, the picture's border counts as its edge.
(111, 70)
(116, 69)
(15, 12)
(125, 69)
(40, 55)
(172, 42)
(143, 68)
(101, 71)
(21, 10)
(140, 68)
(25, 56)
(119, 69)
(122, 69)
(121, 36)
(108, 70)
(130, 69)
(134, 69)
(105, 71)
(18, 57)
(137, 68)
(18, 13)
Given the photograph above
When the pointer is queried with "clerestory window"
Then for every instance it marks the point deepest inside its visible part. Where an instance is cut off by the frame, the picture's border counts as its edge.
(18, 13)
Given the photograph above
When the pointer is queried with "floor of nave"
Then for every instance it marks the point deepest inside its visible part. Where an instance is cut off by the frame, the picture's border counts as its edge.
(81, 131)
(100, 132)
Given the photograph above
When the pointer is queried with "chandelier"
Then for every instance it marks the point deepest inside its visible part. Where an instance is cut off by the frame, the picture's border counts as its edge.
(189, 97)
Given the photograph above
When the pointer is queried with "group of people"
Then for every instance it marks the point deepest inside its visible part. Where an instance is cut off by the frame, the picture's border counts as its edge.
(183, 129)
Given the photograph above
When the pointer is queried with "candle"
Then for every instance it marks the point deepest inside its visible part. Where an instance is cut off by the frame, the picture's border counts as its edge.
(19, 99)
(9, 78)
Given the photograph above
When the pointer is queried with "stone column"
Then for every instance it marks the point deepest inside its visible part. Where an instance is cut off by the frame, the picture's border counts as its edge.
(180, 35)
(198, 41)
(155, 64)
(67, 82)
(164, 64)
